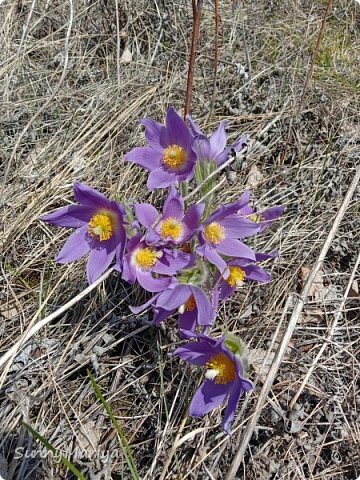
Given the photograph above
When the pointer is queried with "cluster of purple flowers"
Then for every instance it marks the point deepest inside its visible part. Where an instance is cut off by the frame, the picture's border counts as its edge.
(190, 258)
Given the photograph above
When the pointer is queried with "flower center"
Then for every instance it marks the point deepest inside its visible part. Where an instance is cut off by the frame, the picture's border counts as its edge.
(146, 258)
(101, 226)
(256, 217)
(236, 277)
(171, 228)
(214, 233)
(174, 157)
(190, 305)
(221, 369)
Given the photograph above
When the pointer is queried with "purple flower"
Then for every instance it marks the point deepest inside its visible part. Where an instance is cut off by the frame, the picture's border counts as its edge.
(169, 157)
(173, 226)
(221, 232)
(142, 260)
(225, 362)
(263, 219)
(213, 149)
(241, 270)
(193, 304)
(100, 230)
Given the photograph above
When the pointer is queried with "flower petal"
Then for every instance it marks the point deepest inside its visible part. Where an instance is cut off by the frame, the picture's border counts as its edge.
(89, 196)
(206, 313)
(233, 400)
(174, 204)
(75, 246)
(151, 284)
(144, 306)
(214, 258)
(158, 178)
(99, 260)
(174, 297)
(74, 216)
(238, 227)
(209, 396)
(193, 216)
(240, 143)
(235, 248)
(196, 353)
(146, 157)
(146, 214)
(179, 133)
(187, 321)
(218, 139)
(156, 134)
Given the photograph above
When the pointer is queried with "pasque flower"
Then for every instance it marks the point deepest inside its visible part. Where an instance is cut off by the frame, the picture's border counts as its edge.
(265, 218)
(143, 260)
(192, 303)
(169, 157)
(100, 230)
(241, 270)
(173, 226)
(213, 148)
(221, 234)
(224, 361)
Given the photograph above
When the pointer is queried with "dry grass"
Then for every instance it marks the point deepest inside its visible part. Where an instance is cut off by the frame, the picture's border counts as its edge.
(69, 111)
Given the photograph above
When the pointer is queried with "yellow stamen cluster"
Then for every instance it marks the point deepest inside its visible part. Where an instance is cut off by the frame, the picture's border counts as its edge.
(171, 228)
(214, 233)
(174, 157)
(221, 369)
(101, 226)
(256, 217)
(190, 305)
(236, 277)
(145, 258)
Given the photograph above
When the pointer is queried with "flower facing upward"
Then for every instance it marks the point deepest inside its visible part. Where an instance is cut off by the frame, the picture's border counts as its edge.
(169, 157)
(224, 361)
(221, 234)
(100, 230)
(173, 226)
(143, 260)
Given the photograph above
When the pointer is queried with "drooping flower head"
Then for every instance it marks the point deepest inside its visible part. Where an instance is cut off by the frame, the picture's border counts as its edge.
(169, 157)
(173, 226)
(213, 149)
(225, 366)
(221, 234)
(100, 230)
(191, 302)
(143, 260)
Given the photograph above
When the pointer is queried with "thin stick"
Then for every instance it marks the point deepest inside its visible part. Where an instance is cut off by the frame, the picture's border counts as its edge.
(316, 51)
(10, 354)
(298, 306)
(216, 56)
(196, 6)
(329, 336)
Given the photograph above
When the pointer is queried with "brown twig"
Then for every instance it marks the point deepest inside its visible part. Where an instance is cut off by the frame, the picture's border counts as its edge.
(196, 6)
(216, 56)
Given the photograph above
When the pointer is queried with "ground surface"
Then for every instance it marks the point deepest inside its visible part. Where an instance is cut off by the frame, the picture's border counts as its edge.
(75, 79)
